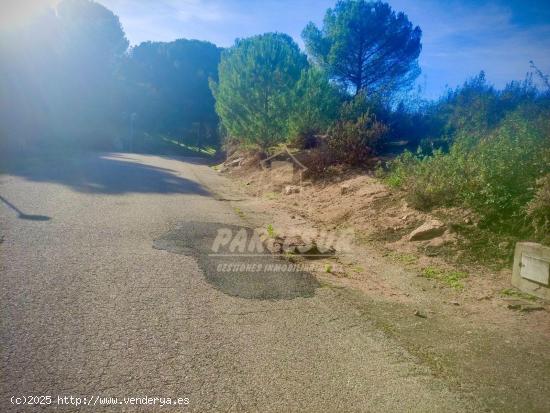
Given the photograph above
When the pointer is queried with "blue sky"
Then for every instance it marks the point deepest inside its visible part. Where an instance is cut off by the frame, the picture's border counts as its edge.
(460, 38)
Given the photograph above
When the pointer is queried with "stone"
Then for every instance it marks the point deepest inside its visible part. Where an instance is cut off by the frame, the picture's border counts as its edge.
(291, 189)
(428, 230)
(420, 314)
(344, 189)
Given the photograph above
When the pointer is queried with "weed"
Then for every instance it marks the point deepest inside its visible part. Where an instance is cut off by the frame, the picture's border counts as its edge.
(271, 231)
(328, 268)
(452, 279)
(510, 292)
(239, 212)
(404, 258)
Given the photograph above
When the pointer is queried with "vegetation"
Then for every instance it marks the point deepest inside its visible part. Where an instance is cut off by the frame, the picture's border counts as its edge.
(498, 169)
(315, 106)
(354, 138)
(68, 79)
(510, 292)
(366, 47)
(253, 95)
(271, 231)
(452, 279)
(57, 78)
(166, 86)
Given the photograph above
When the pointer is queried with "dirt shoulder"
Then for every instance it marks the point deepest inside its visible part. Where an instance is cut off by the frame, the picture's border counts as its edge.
(461, 320)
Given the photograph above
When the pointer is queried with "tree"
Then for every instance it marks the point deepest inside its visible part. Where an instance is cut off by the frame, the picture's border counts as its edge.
(167, 86)
(366, 46)
(316, 103)
(253, 95)
(59, 76)
(92, 45)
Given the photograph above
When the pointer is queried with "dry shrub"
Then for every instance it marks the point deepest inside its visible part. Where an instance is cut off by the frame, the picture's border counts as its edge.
(317, 160)
(306, 139)
(353, 142)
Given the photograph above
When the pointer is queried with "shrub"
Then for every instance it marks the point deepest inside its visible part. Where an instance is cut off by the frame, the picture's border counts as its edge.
(429, 180)
(538, 210)
(495, 175)
(317, 160)
(353, 141)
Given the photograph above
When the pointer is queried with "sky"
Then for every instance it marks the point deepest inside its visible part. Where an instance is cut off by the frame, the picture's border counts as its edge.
(460, 37)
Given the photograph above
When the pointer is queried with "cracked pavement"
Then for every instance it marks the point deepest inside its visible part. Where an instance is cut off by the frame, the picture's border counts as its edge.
(89, 307)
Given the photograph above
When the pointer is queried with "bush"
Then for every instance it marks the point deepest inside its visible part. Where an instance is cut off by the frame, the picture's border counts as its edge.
(429, 180)
(494, 175)
(357, 134)
(538, 210)
(353, 142)
(318, 161)
(474, 108)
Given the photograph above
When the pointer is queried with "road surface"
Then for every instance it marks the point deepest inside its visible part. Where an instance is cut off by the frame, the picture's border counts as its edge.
(108, 291)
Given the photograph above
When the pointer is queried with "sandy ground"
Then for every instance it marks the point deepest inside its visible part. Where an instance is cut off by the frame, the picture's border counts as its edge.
(469, 336)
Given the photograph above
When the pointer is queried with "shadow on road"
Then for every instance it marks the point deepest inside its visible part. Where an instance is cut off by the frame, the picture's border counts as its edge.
(106, 174)
(21, 214)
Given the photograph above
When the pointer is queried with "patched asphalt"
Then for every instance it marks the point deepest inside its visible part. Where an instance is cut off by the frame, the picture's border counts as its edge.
(240, 267)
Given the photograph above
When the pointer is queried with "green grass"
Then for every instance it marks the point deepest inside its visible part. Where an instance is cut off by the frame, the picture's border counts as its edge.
(271, 231)
(403, 258)
(239, 212)
(452, 279)
(510, 292)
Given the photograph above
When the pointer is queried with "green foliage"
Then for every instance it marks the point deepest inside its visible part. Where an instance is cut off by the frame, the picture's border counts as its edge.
(452, 279)
(167, 87)
(355, 137)
(67, 80)
(495, 175)
(474, 108)
(253, 95)
(510, 292)
(366, 46)
(538, 209)
(271, 231)
(315, 104)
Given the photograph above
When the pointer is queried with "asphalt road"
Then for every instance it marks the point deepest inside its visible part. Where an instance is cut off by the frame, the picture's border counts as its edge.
(108, 290)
